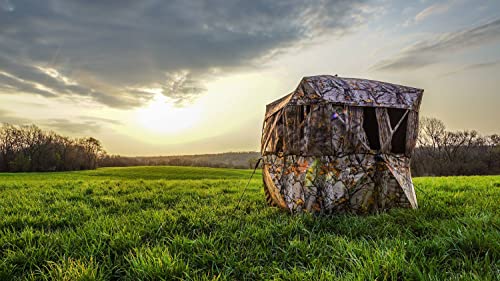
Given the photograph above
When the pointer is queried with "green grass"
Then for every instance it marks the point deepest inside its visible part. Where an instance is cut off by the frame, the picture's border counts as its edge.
(154, 223)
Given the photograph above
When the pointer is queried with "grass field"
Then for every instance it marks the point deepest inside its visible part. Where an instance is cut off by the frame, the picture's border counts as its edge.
(153, 223)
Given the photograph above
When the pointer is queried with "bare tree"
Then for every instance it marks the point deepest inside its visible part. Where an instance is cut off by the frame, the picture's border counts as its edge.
(93, 149)
(442, 152)
(28, 148)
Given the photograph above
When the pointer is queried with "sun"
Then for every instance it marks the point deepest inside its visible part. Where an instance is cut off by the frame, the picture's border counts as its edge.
(163, 117)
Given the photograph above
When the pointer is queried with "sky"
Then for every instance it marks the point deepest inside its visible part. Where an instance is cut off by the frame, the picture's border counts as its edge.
(187, 77)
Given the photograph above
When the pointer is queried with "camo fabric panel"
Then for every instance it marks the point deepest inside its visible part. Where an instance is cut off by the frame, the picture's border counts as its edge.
(326, 165)
(355, 92)
(291, 142)
(411, 135)
(357, 141)
(316, 130)
(348, 184)
(400, 169)
(272, 135)
(384, 129)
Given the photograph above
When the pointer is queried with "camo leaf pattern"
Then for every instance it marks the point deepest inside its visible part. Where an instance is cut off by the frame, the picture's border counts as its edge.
(316, 153)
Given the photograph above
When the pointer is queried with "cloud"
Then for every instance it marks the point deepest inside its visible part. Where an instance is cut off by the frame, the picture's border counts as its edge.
(474, 66)
(432, 10)
(9, 83)
(427, 52)
(106, 50)
(181, 87)
(7, 117)
(16, 76)
(100, 119)
(74, 127)
(79, 125)
(436, 9)
(6, 6)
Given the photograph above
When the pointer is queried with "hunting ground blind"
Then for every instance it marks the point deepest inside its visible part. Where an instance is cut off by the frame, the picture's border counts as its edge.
(337, 145)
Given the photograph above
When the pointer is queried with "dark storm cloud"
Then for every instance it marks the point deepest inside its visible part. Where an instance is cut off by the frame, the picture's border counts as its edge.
(110, 50)
(11, 83)
(429, 51)
(19, 77)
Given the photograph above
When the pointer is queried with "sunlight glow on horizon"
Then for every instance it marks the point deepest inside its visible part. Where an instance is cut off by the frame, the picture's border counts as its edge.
(162, 117)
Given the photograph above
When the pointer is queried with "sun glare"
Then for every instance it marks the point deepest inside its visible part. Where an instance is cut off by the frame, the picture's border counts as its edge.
(161, 116)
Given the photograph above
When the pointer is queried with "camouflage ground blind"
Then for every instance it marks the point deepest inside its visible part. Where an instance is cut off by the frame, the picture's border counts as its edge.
(338, 145)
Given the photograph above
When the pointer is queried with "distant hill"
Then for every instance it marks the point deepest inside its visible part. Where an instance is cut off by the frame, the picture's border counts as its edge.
(238, 160)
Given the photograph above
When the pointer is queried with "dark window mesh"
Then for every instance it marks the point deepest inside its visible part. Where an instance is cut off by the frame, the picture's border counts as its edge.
(398, 142)
(370, 125)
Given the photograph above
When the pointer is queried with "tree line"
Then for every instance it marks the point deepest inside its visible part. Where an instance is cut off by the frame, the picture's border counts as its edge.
(28, 148)
(237, 160)
(441, 152)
